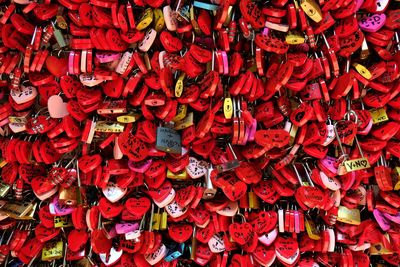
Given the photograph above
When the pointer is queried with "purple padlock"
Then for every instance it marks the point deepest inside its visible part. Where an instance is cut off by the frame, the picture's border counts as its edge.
(372, 23)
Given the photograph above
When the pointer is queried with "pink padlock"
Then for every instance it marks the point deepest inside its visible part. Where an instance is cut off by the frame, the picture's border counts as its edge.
(140, 167)
(59, 209)
(123, 228)
(382, 221)
(372, 23)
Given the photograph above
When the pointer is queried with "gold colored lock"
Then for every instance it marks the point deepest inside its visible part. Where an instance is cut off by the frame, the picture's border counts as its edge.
(61, 23)
(185, 123)
(62, 221)
(294, 38)
(254, 202)
(311, 229)
(109, 127)
(181, 114)
(156, 220)
(179, 85)
(67, 196)
(30, 214)
(193, 21)
(159, 21)
(3, 162)
(17, 210)
(396, 178)
(52, 250)
(128, 118)
(378, 115)
(181, 175)
(350, 216)
(379, 249)
(312, 9)
(145, 20)
(163, 223)
(363, 71)
(228, 107)
(4, 189)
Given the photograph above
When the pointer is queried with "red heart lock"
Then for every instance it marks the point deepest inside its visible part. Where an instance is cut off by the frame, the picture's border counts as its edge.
(42, 186)
(248, 173)
(113, 88)
(203, 252)
(57, 66)
(235, 191)
(203, 235)
(77, 239)
(154, 181)
(159, 194)
(180, 233)
(99, 241)
(109, 210)
(44, 234)
(157, 168)
(178, 164)
(138, 206)
(185, 195)
(127, 260)
(88, 163)
(46, 218)
(311, 196)
(347, 130)
(70, 86)
(264, 189)
(252, 13)
(171, 44)
(286, 247)
(265, 222)
(272, 138)
(200, 215)
(241, 232)
(263, 255)
(131, 146)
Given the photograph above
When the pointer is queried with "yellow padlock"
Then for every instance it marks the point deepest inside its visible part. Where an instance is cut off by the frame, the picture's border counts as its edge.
(312, 10)
(163, 223)
(378, 115)
(396, 178)
(181, 175)
(52, 250)
(363, 71)
(228, 107)
(179, 85)
(156, 220)
(254, 202)
(185, 123)
(145, 20)
(181, 114)
(159, 21)
(294, 38)
(349, 216)
(311, 229)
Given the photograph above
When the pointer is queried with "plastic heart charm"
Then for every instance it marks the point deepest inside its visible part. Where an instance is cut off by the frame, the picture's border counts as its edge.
(57, 66)
(57, 107)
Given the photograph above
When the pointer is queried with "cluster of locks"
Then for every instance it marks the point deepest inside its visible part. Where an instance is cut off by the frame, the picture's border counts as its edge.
(200, 133)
